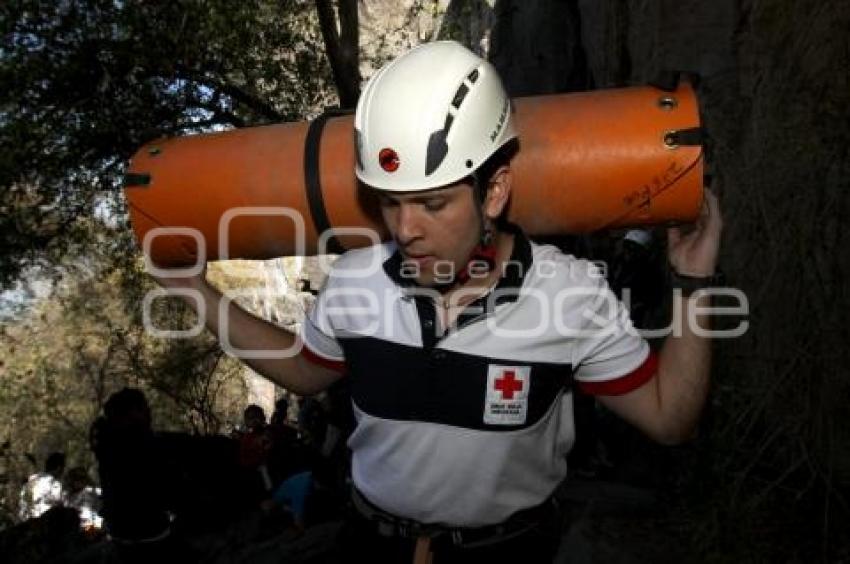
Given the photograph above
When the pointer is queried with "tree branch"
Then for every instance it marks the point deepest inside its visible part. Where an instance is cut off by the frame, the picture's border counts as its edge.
(220, 85)
(342, 47)
(260, 106)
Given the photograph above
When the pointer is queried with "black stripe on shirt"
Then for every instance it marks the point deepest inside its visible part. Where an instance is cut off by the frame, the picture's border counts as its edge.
(408, 383)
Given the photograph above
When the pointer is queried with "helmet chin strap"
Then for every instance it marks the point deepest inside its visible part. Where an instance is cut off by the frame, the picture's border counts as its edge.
(483, 255)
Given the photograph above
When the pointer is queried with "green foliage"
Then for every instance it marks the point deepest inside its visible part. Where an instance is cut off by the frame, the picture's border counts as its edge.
(86, 82)
(62, 362)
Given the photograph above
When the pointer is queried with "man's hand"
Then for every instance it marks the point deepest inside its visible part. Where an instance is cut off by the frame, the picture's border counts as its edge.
(695, 253)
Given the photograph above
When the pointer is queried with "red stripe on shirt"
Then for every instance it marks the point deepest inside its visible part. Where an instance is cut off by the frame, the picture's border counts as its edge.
(624, 384)
(335, 365)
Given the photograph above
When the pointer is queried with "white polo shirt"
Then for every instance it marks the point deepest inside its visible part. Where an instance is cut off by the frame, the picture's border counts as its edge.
(468, 426)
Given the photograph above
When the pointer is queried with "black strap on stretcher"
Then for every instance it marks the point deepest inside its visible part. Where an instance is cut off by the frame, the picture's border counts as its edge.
(312, 179)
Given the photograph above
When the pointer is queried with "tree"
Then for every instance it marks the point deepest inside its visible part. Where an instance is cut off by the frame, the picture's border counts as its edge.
(341, 45)
(86, 82)
(64, 359)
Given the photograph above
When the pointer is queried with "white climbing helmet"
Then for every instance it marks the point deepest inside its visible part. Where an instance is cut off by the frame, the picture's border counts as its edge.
(430, 118)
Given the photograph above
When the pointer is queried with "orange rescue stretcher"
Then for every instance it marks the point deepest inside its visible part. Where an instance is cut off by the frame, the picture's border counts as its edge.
(587, 161)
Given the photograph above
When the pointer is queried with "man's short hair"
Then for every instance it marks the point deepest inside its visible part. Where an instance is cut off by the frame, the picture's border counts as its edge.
(501, 157)
(481, 178)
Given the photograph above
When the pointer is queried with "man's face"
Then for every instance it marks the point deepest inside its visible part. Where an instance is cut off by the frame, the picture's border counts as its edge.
(435, 230)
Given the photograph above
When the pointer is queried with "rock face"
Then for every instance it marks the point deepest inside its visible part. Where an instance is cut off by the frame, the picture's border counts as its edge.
(774, 98)
(536, 46)
(773, 91)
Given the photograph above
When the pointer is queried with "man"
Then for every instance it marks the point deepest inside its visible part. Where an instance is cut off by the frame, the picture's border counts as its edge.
(255, 444)
(254, 418)
(462, 338)
(83, 496)
(132, 474)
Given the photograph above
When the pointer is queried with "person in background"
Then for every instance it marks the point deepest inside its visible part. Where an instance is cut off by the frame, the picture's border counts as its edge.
(82, 495)
(255, 443)
(43, 490)
(135, 500)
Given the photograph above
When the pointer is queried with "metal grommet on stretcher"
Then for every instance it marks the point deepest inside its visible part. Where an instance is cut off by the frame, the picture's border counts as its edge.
(670, 140)
(667, 103)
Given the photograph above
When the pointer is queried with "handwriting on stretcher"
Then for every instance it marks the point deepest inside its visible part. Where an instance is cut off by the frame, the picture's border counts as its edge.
(642, 197)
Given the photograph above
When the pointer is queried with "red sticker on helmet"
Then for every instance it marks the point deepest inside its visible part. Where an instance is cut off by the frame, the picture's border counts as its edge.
(388, 160)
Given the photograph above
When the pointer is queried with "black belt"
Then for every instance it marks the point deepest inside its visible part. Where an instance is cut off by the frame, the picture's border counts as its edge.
(389, 525)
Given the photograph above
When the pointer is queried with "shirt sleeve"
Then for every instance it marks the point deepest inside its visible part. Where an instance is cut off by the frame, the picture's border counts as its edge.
(610, 357)
(318, 335)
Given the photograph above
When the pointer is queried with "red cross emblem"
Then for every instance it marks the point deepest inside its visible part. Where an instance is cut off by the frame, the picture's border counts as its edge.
(508, 384)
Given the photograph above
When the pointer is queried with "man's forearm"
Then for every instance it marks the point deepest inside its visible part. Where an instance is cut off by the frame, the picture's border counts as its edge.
(268, 349)
(668, 406)
(684, 368)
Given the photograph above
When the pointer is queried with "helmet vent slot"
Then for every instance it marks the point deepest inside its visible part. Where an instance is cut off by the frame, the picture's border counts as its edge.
(448, 124)
(437, 151)
(461, 93)
(473, 76)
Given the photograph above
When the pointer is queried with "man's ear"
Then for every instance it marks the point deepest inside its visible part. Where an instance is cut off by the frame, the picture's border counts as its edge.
(499, 192)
